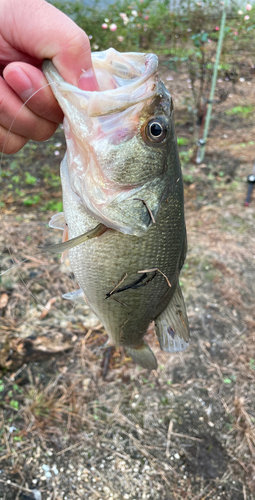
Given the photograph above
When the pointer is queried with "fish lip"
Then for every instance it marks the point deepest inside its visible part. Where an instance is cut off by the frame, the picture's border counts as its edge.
(113, 100)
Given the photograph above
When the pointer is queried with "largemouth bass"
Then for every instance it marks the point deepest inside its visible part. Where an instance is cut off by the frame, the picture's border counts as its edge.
(123, 202)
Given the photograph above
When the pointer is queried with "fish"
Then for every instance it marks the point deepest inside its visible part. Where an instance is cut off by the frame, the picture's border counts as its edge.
(123, 206)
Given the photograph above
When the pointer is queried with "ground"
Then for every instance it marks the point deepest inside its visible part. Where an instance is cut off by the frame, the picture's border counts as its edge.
(185, 431)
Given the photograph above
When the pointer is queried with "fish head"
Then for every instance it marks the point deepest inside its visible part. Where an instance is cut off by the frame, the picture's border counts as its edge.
(121, 147)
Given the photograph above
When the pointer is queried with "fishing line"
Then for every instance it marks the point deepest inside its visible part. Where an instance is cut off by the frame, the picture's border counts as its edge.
(15, 118)
(1, 162)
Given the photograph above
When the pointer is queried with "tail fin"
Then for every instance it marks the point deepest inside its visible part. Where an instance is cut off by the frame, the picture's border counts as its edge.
(172, 327)
(143, 356)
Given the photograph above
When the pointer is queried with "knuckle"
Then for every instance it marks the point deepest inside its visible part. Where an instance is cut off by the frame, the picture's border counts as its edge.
(2, 104)
(78, 44)
(81, 39)
(11, 145)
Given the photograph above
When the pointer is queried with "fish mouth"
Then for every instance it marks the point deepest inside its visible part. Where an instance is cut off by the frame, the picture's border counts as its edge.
(122, 83)
(128, 83)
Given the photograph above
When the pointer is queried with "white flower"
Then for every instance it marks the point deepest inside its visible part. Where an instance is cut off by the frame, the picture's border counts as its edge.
(124, 17)
(240, 12)
(113, 27)
(134, 13)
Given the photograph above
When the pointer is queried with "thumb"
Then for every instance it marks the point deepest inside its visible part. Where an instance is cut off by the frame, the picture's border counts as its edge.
(44, 32)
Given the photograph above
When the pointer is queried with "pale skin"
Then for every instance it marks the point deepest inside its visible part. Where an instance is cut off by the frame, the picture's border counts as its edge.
(31, 31)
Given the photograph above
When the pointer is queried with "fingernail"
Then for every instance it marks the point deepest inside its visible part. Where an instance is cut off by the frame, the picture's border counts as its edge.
(21, 83)
(88, 81)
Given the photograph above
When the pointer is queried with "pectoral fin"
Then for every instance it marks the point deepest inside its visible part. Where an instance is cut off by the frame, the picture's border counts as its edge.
(172, 327)
(143, 356)
(74, 242)
(58, 221)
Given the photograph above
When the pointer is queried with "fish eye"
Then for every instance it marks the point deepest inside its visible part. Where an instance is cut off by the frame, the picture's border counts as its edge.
(156, 130)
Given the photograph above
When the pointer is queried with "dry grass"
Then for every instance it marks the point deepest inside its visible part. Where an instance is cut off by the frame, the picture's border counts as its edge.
(185, 432)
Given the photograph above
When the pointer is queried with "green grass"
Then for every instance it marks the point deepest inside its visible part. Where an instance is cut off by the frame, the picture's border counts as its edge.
(182, 141)
(242, 111)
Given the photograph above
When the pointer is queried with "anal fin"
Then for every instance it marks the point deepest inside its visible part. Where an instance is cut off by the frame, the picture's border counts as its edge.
(143, 356)
(172, 327)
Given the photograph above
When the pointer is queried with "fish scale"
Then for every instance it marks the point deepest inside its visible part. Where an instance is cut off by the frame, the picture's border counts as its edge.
(140, 217)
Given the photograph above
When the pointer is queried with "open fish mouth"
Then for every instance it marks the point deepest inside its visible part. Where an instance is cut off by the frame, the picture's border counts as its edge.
(118, 172)
(124, 80)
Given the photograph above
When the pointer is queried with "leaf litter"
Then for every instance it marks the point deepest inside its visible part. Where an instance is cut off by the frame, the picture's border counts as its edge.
(183, 432)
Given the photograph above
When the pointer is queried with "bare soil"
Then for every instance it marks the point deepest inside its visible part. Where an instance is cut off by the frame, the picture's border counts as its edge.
(185, 431)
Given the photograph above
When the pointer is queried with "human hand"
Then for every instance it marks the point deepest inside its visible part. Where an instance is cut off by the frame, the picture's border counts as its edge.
(31, 31)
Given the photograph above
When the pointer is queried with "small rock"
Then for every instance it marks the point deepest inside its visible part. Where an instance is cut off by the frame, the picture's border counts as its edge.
(37, 495)
(45, 467)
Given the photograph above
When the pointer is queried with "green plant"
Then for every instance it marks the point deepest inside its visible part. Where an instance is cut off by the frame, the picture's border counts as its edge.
(14, 404)
(56, 206)
(30, 179)
(242, 111)
(16, 179)
(227, 380)
(182, 141)
(252, 364)
(52, 179)
(33, 200)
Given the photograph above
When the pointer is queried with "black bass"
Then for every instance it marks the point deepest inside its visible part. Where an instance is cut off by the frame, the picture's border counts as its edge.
(123, 202)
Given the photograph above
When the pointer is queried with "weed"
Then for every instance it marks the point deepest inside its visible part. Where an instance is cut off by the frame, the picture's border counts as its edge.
(20, 193)
(252, 364)
(242, 111)
(30, 179)
(14, 404)
(227, 380)
(33, 200)
(5, 173)
(188, 178)
(182, 141)
(16, 179)
(55, 206)
(14, 165)
(185, 156)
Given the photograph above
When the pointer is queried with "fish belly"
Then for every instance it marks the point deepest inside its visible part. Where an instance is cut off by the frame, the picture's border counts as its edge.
(113, 261)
